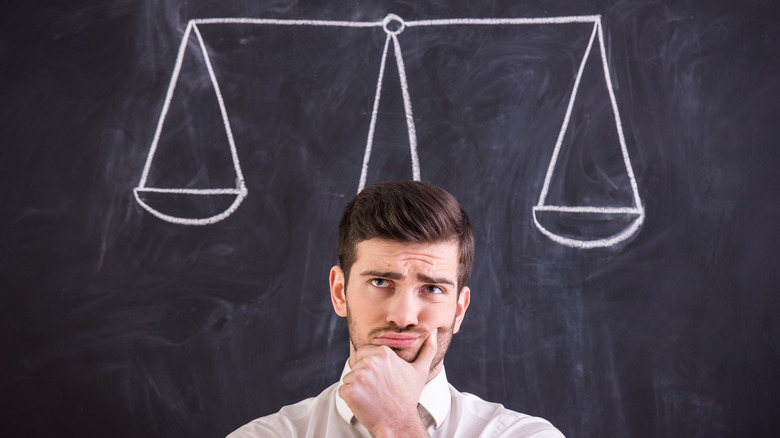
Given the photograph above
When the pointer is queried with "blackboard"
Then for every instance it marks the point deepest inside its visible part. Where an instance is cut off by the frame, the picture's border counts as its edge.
(117, 322)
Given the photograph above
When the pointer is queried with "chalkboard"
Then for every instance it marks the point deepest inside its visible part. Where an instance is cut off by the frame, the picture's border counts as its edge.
(173, 174)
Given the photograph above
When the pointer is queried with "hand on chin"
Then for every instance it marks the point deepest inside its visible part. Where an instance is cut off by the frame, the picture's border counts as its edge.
(384, 386)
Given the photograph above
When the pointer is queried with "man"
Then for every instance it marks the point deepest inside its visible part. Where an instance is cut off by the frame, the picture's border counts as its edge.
(405, 254)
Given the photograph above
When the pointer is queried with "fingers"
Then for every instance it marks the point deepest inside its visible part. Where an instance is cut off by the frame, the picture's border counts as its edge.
(427, 353)
(368, 350)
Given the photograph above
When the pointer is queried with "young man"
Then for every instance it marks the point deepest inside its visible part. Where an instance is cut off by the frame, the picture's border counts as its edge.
(405, 254)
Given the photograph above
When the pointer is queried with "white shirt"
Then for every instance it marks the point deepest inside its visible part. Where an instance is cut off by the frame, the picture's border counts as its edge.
(445, 411)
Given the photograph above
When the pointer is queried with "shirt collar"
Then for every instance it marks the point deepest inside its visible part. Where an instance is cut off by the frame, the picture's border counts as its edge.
(435, 398)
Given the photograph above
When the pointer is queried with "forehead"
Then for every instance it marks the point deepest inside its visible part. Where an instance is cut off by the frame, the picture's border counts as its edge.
(438, 255)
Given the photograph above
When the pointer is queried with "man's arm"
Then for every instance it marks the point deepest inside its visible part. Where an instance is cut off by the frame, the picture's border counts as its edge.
(383, 390)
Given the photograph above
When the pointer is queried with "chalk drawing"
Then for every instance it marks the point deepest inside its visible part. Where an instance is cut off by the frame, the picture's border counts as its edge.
(393, 26)
(636, 210)
(240, 191)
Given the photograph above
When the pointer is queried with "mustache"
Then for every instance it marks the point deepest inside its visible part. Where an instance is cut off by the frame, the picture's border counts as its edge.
(395, 328)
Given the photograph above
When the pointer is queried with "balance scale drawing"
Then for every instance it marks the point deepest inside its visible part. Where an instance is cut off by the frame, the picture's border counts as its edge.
(393, 26)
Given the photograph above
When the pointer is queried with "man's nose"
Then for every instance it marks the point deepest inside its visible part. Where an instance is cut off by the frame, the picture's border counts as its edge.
(403, 308)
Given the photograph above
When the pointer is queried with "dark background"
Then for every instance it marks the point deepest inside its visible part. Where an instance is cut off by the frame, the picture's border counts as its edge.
(116, 323)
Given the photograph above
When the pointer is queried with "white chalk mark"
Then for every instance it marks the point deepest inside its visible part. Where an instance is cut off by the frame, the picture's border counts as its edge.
(407, 108)
(166, 103)
(190, 191)
(618, 123)
(505, 21)
(391, 18)
(277, 22)
(374, 111)
(392, 37)
(588, 209)
(566, 117)
(637, 209)
(222, 110)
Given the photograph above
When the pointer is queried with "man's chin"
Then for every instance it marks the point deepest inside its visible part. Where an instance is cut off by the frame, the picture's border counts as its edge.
(408, 354)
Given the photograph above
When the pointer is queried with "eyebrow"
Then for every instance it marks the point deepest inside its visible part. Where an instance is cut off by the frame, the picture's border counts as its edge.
(396, 276)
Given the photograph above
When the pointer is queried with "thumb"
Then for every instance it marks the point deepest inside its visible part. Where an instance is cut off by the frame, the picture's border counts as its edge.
(427, 353)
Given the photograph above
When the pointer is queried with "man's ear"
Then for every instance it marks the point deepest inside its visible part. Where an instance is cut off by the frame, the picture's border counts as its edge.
(338, 293)
(463, 303)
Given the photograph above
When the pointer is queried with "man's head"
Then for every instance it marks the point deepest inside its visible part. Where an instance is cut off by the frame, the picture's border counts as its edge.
(406, 212)
(407, 249)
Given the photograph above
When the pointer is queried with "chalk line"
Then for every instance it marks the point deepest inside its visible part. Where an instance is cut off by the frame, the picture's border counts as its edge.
(588, 209)
(222, 110)
(282, 22)
(372, 124)
(399, 59)
(505, 21)
(566, 117)
(190, 191)
(618, 123)
(166, 104)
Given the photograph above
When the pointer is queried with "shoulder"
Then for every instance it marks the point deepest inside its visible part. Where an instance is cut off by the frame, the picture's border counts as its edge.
(292, 420)
(498, 421)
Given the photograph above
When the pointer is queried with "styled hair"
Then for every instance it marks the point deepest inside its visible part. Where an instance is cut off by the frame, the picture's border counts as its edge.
(406, 211)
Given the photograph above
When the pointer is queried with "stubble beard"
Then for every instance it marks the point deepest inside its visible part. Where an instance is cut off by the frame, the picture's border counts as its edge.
(443, 339)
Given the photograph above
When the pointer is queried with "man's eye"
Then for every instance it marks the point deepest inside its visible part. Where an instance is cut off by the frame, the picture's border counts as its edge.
(380, 282)
(433, 289)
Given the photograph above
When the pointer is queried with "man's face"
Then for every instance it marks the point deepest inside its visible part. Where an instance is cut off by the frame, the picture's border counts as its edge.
(398, 293)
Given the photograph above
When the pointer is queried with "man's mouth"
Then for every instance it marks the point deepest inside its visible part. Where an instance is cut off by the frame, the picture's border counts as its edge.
(396, 340)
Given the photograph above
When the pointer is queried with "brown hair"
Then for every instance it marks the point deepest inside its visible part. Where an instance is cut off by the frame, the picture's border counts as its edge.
(406, 211)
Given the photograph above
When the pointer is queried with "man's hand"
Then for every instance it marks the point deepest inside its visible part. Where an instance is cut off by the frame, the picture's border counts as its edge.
(383, 390)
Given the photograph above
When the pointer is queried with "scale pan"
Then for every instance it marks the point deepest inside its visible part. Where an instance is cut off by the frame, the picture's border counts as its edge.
(588, 227)
(190, 206)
